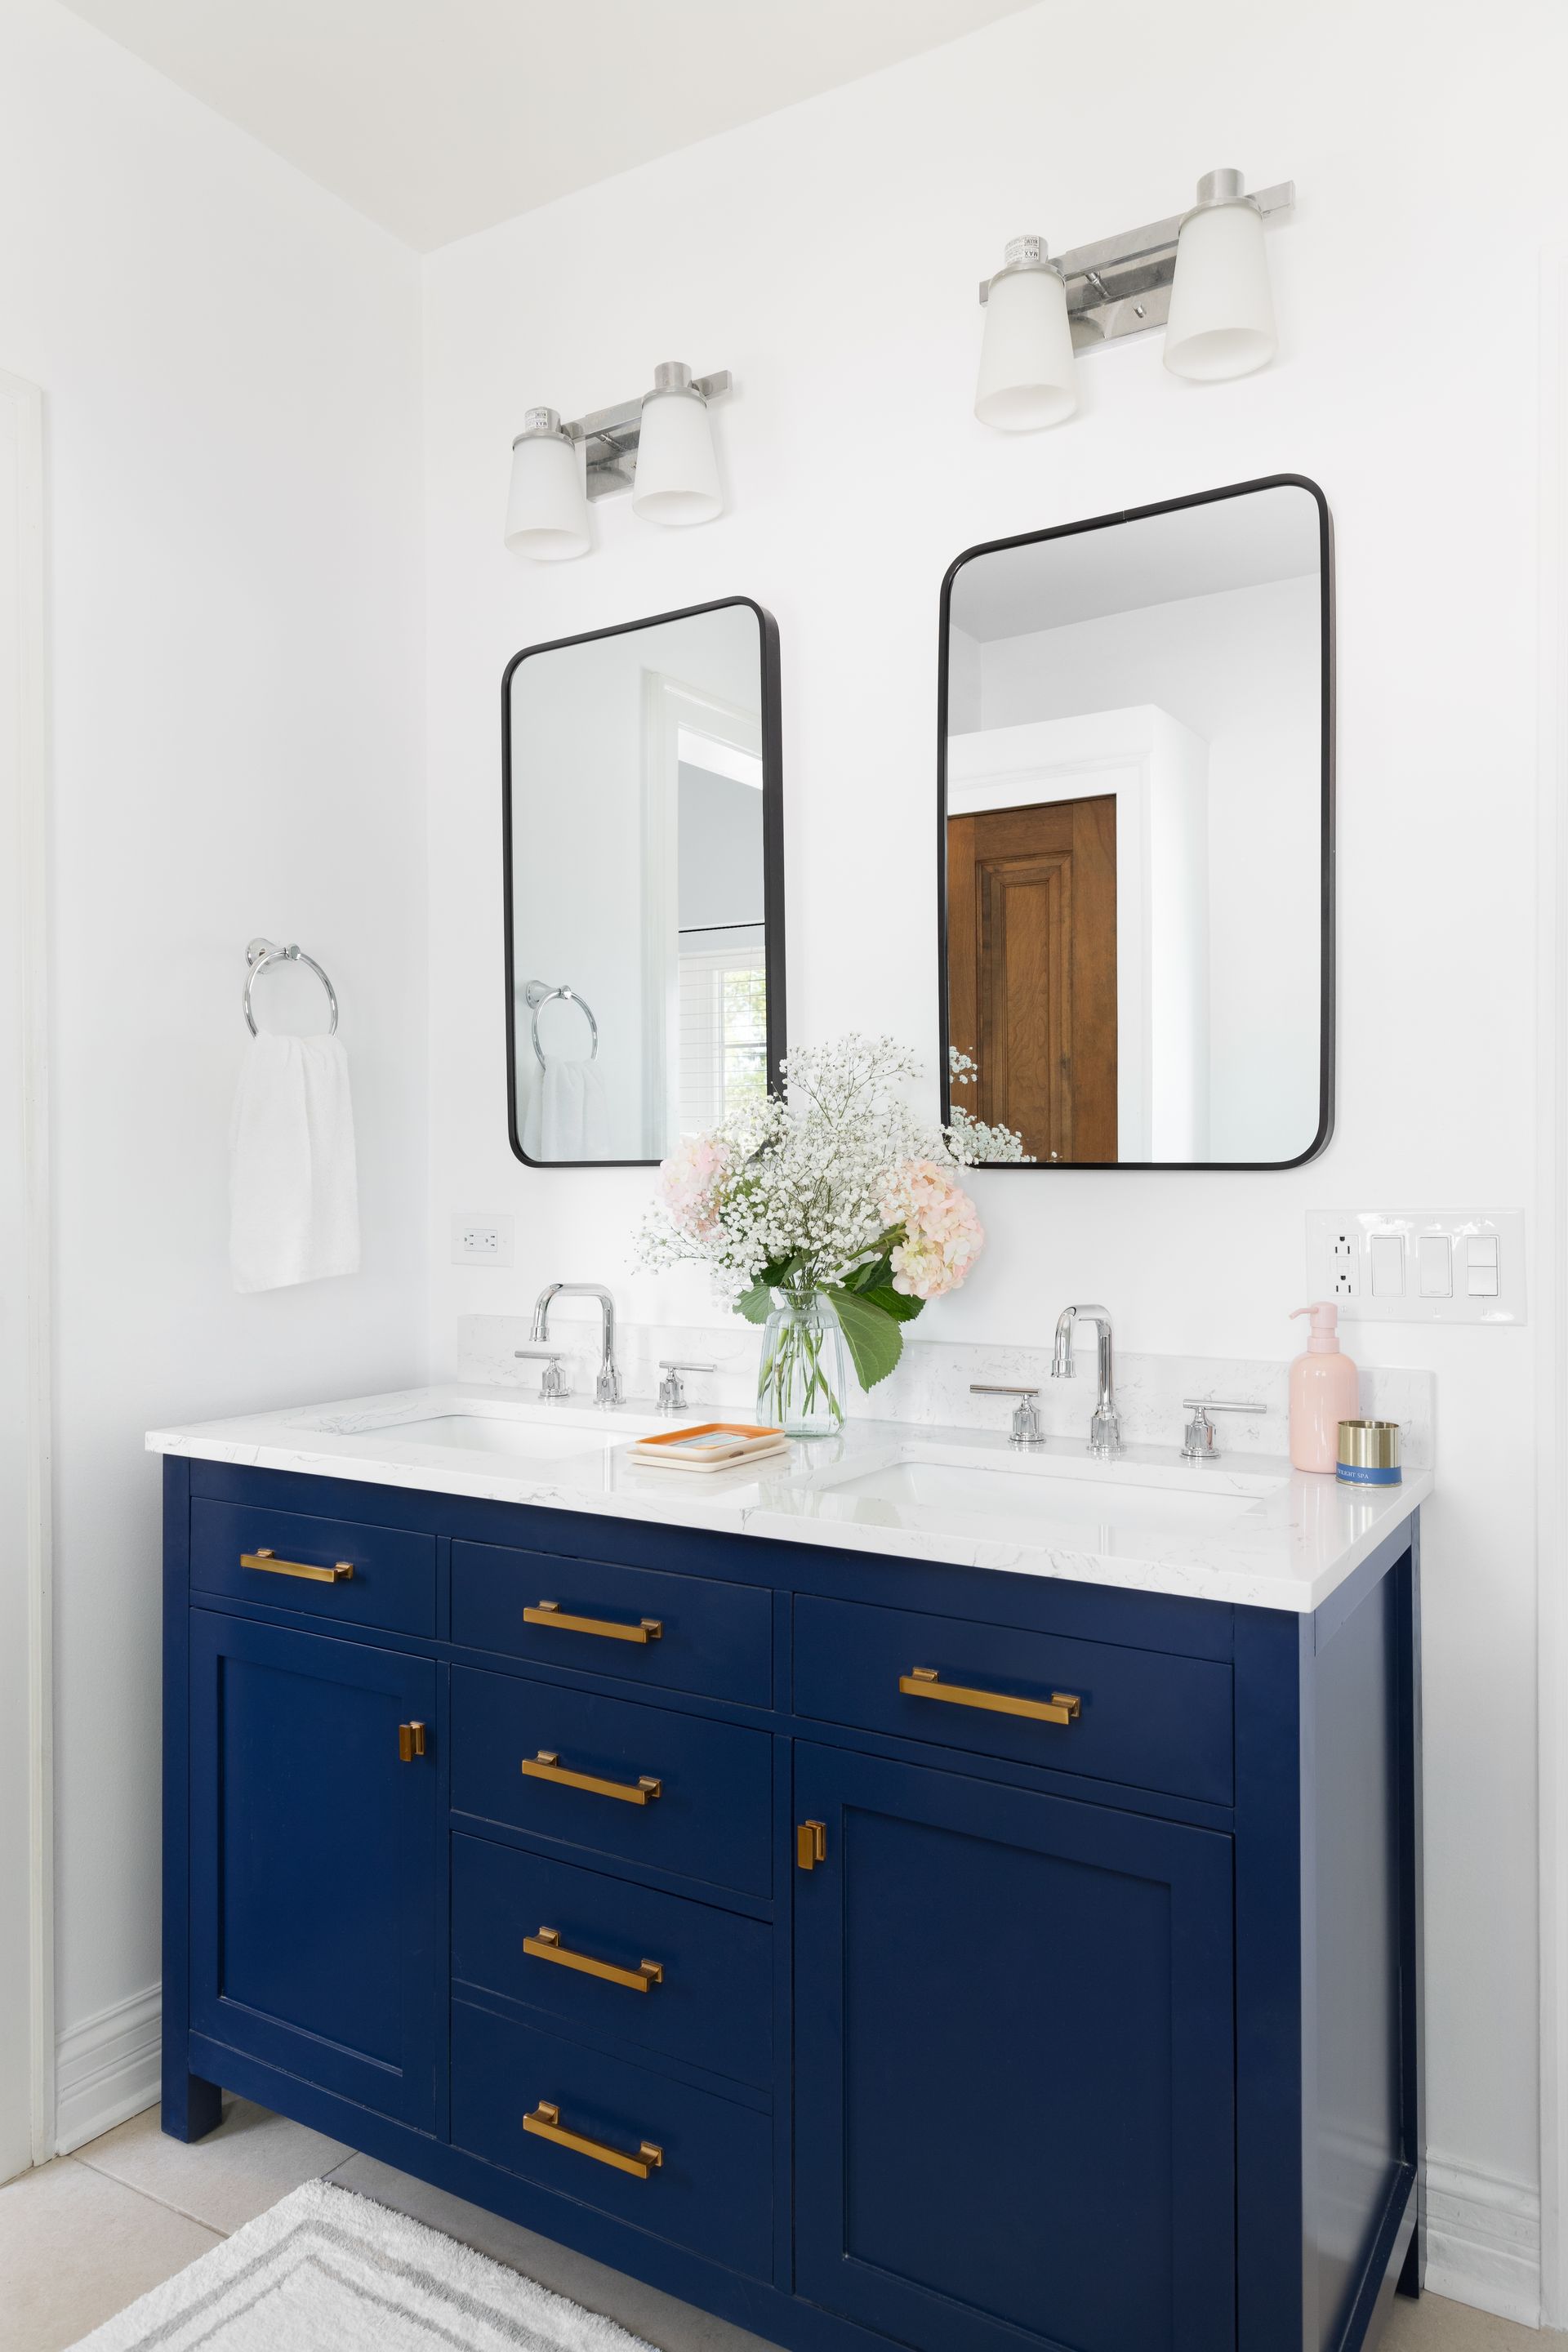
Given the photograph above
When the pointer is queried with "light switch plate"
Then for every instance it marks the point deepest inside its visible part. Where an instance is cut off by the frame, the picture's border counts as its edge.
(1372, 1262)
(481, 1240)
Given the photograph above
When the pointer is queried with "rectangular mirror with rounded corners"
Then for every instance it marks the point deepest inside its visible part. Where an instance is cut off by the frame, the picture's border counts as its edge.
(643, 852)
(1135, 813)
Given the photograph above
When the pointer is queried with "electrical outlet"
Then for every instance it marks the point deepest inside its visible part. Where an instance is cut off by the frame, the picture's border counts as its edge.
(481, 1241)
(1419, 1265)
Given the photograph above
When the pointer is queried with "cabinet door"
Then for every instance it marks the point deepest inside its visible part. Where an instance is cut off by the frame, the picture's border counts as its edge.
(313, 1860)
(1013, 2069)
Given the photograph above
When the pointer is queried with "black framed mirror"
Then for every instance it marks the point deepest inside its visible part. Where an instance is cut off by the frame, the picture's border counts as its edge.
(643, 854)
(1135, 832)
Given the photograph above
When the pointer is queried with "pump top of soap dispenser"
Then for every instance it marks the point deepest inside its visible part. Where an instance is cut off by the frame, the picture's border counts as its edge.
(1325, 1315)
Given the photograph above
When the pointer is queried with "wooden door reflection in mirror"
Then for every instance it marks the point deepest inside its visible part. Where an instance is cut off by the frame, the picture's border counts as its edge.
(1031, 915)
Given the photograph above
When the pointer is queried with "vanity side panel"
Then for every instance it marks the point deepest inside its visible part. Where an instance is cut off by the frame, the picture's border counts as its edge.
(1363, 2146)
(1273, 1667)
(191, 2105)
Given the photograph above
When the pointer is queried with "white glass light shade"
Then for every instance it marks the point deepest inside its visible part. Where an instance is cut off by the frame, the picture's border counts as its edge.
(1221, 320)
(677, 473)
(1026, 373)
(546, 513)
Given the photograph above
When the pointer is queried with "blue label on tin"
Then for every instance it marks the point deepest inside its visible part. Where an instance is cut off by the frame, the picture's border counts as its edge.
(1351, 1475)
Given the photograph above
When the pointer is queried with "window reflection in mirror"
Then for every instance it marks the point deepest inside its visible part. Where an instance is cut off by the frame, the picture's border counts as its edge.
(1136, 833)
(645, 891)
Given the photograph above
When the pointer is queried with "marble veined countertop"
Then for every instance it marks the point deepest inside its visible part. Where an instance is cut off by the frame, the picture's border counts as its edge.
(1250, 1530)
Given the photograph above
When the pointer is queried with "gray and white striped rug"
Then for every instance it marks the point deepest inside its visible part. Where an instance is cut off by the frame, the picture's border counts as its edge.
(329, 2271)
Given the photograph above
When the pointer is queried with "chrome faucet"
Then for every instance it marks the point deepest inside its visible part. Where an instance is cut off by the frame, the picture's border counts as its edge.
(1026, 1429)
(607, 1386)
(1104, 1428)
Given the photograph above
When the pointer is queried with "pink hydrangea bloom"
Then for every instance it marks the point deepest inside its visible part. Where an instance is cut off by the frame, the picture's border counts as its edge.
(690, 1180)
(942, 1235)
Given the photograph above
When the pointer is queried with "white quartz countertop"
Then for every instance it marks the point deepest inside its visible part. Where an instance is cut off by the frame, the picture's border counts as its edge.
(1248, 1530)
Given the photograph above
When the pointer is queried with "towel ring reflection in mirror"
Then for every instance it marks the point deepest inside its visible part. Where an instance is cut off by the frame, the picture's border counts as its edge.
(259, 953)
(537, 993)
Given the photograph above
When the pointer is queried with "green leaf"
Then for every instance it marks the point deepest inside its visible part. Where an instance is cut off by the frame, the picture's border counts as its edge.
(894, 1302)
(872, 1335)
(756, 1304)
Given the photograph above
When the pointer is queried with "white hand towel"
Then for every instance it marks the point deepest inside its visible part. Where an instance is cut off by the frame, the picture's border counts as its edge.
(293, 1186)
(568, 1114)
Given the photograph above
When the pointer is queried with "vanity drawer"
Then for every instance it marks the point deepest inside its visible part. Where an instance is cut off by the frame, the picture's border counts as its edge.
(1145, 1718)
(711, 2188)
(707, 1818)
(709, 2003)
(713, 1638)
(392, 1579)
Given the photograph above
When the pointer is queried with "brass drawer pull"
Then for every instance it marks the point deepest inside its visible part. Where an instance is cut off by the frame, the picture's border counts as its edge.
(550, 1612)
(547, 1766)
(547, 1946)
(810, 1844)
(925, 1682)
(546, 2123)
(410, 1741)
(338, 1574)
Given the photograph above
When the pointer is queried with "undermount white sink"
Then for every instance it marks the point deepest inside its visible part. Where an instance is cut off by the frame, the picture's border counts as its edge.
(1046, 1490)
(489, 1433)
(500, 1434)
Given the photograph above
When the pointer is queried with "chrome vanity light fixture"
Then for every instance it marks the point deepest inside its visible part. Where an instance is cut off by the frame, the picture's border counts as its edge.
(677, 471)
(1027, 377)
(1201, 275)
(1221, 321)
(659, 446)
(546, 513)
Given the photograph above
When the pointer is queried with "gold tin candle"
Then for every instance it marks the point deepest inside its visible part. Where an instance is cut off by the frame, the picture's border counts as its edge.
(1369, 1453)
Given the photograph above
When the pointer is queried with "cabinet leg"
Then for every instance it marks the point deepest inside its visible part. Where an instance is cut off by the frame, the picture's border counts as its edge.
(192, 2107)
(1409, 2280)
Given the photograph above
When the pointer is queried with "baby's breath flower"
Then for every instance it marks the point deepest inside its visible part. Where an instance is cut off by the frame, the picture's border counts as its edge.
(818, 1183)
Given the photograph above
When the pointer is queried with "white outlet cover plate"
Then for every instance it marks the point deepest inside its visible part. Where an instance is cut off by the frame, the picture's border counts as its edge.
(480, 1240)
(1505, 1227)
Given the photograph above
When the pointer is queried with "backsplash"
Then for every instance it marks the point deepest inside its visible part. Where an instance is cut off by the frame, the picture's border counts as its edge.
(932, 1384)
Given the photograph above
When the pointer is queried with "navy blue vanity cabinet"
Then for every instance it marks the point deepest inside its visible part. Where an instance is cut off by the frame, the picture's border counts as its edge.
(880, 1953)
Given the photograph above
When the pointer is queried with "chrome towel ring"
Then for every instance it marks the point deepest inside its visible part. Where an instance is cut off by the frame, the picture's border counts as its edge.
(537, 994)
(259, 953)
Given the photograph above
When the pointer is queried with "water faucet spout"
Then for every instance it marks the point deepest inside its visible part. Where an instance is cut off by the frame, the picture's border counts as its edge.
(607, 1385)
(1105, 1427)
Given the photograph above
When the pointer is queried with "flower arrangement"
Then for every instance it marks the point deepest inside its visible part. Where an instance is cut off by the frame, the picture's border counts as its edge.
(833, 1191)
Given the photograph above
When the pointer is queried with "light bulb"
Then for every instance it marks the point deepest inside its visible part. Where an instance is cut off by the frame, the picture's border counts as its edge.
(1026, 373)
(546, 512)
(1221, 321)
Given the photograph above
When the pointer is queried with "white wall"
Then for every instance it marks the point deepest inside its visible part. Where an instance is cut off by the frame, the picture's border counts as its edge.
(230, 360)
(829, 256)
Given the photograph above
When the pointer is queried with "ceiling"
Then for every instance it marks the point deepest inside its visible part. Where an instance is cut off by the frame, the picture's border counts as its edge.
(440, 117)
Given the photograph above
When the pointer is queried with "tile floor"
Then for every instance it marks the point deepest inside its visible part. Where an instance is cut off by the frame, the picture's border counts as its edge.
(84, 2236)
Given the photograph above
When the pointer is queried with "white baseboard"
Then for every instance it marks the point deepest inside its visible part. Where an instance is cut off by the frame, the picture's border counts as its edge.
(1483, 2240)
(108, 2068)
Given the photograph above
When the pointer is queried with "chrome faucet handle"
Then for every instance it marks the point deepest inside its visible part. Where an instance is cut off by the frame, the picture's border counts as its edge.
(1200, 1440)
(1027, 1428)
(551, 1387)
(671, 1395)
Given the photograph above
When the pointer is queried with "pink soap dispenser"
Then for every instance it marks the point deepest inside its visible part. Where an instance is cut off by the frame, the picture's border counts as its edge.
(1325, 1389)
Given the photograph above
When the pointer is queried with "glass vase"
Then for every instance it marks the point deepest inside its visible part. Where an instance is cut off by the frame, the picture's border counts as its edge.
(801, 1380)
